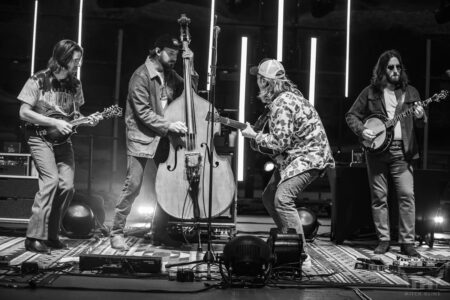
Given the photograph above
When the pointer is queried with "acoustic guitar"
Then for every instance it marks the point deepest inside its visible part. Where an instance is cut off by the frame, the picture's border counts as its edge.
(384, 127)
(241, 126)
(53, 136)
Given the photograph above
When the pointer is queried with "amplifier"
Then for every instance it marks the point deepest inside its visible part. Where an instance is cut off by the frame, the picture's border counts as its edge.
(120, 263)
(16, 164)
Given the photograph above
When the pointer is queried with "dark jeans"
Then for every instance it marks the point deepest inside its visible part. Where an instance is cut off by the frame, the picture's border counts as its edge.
(132, 187)
(379, 167)
(56, 169)
(279, 199)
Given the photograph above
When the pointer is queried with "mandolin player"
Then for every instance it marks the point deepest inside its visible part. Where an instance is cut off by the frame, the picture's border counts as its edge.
(53, 90)
(388, 95)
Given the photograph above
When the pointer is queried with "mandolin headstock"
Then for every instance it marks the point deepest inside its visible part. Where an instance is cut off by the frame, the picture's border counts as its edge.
(112, 111)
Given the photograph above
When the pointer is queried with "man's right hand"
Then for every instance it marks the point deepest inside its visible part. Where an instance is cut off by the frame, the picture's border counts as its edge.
(63, 127)
(178, 127)
(368, 134)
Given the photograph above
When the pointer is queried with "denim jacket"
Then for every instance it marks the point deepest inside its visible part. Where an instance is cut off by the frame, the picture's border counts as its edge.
(369, 103)
(144, 114)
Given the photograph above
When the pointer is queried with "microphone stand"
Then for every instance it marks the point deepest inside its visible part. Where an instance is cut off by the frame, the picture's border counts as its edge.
(209, 257)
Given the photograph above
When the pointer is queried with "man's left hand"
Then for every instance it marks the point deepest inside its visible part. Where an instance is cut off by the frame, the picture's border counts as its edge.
(418, 111)
(94, 119)
(188, 54)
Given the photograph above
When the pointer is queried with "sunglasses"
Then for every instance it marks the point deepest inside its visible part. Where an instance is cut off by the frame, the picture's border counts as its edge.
(391, 67)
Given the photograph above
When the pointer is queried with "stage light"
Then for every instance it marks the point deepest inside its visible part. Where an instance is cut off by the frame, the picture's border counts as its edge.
(320, 8)
(287, 248)
(211, 29)
(269, 166)
(243, 77)
(442, 14)
(248, 258)
(309, 222)
(146, 211)
(438, 220)
(78, 221)
(80, 31)
(312, 71)
(347, 48)
(33, 49)
(280, 30)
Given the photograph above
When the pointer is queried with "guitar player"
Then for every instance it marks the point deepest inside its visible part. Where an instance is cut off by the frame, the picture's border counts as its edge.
(296, 136)
(388, 94)
(55, 89)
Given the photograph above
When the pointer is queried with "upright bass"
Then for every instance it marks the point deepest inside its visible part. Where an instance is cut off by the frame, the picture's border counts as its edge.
(183, 180)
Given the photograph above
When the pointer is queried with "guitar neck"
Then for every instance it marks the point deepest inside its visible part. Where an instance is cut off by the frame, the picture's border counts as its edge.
(231, 123)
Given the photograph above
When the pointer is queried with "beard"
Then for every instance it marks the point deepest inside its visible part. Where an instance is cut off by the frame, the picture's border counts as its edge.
(393, 79)
(168, 65)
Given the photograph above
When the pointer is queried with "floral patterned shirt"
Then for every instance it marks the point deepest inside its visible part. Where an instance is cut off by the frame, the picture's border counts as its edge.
(297, 133)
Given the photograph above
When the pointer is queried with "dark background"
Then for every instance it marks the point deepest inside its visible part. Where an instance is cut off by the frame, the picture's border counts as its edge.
(377, 25)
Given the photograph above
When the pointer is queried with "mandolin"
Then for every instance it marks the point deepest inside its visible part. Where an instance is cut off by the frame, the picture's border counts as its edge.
(383, 127)
(53, 136)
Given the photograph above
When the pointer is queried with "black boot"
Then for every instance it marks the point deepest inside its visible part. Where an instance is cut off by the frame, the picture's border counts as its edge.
(382, 248)
(408, 249)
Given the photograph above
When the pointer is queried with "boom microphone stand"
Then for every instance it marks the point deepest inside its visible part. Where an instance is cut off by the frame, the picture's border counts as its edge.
(209, 257)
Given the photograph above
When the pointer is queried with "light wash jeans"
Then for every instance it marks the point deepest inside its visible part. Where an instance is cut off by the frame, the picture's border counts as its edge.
(56, 169)
(379, 166)
(279, 200)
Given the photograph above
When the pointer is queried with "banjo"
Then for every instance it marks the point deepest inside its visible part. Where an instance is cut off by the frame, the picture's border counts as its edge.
(383, 127)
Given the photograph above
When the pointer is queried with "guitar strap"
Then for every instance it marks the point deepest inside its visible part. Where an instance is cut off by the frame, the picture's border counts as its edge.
(398, 95)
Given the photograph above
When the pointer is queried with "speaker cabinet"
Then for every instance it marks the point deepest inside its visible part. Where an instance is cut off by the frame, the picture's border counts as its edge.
(16, 198)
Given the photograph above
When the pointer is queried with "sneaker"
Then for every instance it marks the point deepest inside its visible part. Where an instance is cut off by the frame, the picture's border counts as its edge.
(408, 249)
(118, 242)
(382, 248)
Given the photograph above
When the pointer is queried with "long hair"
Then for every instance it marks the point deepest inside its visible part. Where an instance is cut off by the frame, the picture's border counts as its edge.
(379, 76)
(272, 88)
(62, 55)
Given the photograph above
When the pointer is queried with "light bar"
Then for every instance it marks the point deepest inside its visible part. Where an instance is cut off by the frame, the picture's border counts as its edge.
(347, 51)
(280, 30)
(211, 29)
(243, 76)
(80, 27)
(312, 71)
(33, 48)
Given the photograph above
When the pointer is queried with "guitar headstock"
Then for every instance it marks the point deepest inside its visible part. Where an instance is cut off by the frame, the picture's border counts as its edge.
(212, 117)
(112, 111)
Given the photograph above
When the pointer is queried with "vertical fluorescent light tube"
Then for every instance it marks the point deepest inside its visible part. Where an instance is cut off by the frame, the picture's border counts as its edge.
(211, 29)
(33, 47)
(240, 171)
(280, 30)
(80, 29)
(347, 52)
(312, 70)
